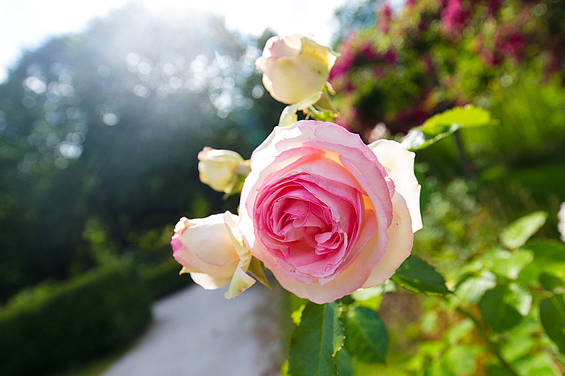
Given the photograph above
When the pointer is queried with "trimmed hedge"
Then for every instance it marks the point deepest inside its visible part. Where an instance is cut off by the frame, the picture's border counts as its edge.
(54, 326)
(164, 278)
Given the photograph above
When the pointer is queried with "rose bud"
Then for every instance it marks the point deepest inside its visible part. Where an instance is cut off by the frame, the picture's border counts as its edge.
(211, 249)
(294, 67)
(221, 169)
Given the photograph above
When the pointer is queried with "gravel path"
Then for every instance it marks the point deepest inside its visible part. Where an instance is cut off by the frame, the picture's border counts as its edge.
(199, 332)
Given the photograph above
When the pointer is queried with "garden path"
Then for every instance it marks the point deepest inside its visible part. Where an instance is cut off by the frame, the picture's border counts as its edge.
(199, 332)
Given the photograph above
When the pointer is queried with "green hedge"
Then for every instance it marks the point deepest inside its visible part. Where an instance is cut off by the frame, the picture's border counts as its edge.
(54, 326)
(164, 279)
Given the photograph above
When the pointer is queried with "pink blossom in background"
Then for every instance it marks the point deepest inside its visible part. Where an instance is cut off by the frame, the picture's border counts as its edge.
(326, 213)
(493, 7)
(490, 57)
(454, 17)
(384, 16)
(368, 52)
(410, 118)
(390, 56)
(510, 43)
(349, 87)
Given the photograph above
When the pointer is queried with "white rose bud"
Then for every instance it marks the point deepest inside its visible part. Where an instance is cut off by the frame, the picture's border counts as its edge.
(211, 249)
(295, 67)
(221, 169)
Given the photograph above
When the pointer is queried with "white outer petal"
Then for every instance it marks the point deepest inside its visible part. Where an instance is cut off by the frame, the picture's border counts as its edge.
(208, 282)
(400, 241)
(208, 239)
(399, 163)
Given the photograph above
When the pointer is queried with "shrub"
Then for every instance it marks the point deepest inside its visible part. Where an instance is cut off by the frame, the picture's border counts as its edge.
(54, 326)
(434, 54)
(164, 279)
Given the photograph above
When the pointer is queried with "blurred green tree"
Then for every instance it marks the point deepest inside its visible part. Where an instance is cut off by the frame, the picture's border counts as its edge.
(99, 136)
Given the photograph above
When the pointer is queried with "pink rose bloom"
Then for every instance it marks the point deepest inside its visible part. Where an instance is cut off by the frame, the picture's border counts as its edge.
(327, 213)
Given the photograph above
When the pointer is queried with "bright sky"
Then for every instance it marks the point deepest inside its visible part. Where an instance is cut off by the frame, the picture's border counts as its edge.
(25, 24)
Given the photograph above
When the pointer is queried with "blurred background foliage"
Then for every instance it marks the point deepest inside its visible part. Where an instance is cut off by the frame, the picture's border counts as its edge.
(99, 136)
(99, 133)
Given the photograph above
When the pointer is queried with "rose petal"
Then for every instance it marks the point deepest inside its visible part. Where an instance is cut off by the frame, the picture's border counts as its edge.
(399, 164)
(208, 282)
(399, 244)
(346, 282)
(209, 240)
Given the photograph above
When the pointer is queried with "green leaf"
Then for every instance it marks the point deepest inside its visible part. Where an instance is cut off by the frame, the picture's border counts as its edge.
(461, 360)
(371, 297)
(417, 275)
(344, 363)
(496, 370)
(442, 125)
(458, 331)
(540, 364)
(507, 264)
(547, 252)
(296, 306)
(371, 292)
(550, 282)
(474, 286)
(552, 315)
(366, 337)
(519, 231)
(520, 298)
(549, 257)
(316, 340)
(498, 308)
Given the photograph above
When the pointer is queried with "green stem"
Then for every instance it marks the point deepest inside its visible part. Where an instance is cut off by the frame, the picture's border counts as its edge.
(491, 344)
(466, 164)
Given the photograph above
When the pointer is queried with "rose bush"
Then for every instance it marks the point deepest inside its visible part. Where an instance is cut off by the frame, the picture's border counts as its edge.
(294, 67)
(326, 213)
